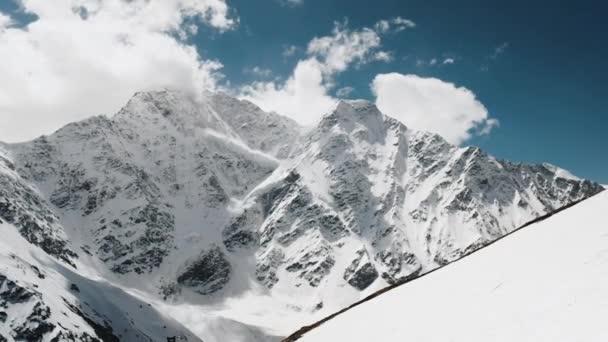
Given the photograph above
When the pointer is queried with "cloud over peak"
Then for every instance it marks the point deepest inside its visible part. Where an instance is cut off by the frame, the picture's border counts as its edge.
(305, 95)
(432, 105)
(427, 104)
(80, 58)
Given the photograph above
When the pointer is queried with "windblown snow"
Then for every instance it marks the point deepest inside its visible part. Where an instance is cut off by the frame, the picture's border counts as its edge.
(208, 218)
(546, 282)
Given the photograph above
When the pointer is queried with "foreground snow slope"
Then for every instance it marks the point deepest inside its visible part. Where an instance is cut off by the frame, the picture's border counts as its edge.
(546, 282)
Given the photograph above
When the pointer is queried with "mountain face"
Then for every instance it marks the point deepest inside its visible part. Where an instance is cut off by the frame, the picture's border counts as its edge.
(501, 295)
(239, 223)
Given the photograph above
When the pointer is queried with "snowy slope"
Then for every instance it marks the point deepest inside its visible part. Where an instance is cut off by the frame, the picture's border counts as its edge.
(244, 226)
(546, 282)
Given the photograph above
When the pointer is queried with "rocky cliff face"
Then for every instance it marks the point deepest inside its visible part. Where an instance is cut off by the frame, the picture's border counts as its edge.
(195, 201)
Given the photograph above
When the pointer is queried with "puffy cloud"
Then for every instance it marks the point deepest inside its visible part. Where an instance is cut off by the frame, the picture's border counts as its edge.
(432, 105)
(448, 61)
(302, 97)
(305, 95)
(5, 21)
(344, 47)
(382, 26)
(383, 56)
(84, 57)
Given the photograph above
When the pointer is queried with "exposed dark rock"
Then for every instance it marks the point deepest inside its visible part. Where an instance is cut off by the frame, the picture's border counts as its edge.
(363, 277)
(36, 326)
(104, 332)
(314, 265)
(12, 293)
(37, 271)
(399, 267)
(22, 207)
(241, 240)
(361, 273)
(209, 273)
(169, 290)
(267, 266)
(150, 231)
(238, 235)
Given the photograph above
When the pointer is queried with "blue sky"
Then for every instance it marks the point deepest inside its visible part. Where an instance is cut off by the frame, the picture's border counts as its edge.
(537, 66)
(547, 87)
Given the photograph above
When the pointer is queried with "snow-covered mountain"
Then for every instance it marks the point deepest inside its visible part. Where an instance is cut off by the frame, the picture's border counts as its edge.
(545, 282)
(242, 225)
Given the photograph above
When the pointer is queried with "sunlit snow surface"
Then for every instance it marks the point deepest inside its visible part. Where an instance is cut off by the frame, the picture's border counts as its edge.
(546, 282)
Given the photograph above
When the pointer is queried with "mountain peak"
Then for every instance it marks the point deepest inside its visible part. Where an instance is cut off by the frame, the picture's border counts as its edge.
(157, 102)
(352, 115)
(357, 108)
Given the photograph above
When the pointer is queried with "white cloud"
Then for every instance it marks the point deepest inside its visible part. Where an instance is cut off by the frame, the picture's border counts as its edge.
(345, 91)
(402, 24)
(489, 125)
(5, 21)
(81, 58)
(432, 105)
(383, 26)
(344, 47)
(434, 62)
(383, 56)
(396, 24)
(305, 96)
(302, 97)
(259, 72)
